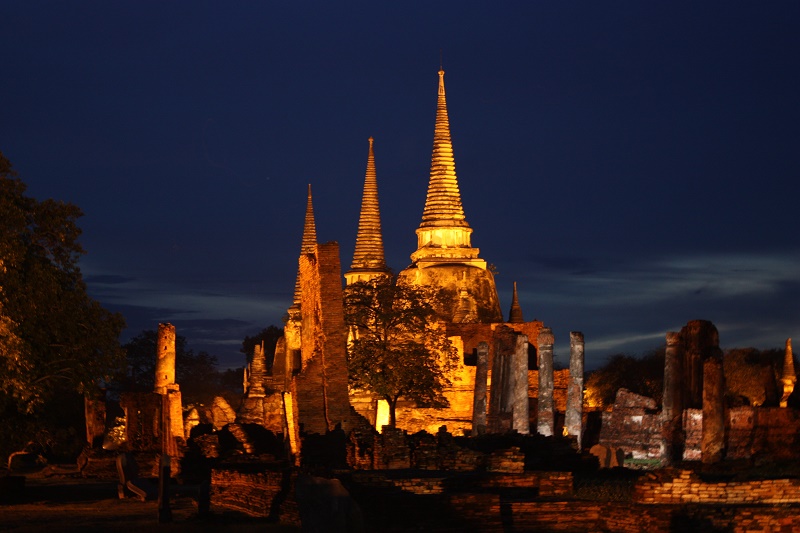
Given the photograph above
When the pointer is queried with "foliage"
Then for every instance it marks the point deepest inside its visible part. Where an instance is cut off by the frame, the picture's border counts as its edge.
(642, 375)
(269, 336)
(399, 349)
(752, 377)
(52, 334)
(56, 432)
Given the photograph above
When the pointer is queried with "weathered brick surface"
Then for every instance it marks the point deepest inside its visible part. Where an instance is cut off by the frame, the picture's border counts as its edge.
(511, 460)
(320, 390)
(776, 433)
(560, 386)
(633, 425)
(143, 422)
(263, 493)
(685, 487)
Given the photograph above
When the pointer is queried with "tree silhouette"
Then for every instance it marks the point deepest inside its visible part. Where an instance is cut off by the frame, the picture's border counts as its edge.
(399, 348)
(53, 335)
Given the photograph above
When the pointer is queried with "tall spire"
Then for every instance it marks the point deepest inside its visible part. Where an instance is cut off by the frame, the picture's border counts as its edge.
(444, 234)
(515, 315)
(443, 203)
(368, 258)
(307, 246)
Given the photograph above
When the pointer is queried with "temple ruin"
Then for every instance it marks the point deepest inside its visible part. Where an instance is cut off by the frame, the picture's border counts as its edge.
(506, 450)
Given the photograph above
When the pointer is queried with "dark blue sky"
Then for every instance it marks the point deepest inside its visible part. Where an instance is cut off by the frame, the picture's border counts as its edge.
(632, 165)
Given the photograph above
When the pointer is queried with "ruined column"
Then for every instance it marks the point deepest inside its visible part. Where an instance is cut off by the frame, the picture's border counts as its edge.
(574, 416)
(788, 377)
(479, 399)
(706, 338)
(672, 404)
(165, 358)
(172, 405)
(520, 413)
(545, 424)
(258, 371)
(497, 389)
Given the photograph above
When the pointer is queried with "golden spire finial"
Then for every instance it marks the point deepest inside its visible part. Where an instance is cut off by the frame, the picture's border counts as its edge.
(308, 243)
(368, 257)
(443, 203)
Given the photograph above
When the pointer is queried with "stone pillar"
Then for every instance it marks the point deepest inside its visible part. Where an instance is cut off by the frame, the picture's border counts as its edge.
(788, 377)
(258, 371)
(545, 424)
(713, 443)
(520, 413)
(701, 339)
(496, 389)
(165, 358)
(672, 403)
(172, 404)
(574, 416)
(479, 398)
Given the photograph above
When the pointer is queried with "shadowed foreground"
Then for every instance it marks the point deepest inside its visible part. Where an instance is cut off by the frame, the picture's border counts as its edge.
(76, 504)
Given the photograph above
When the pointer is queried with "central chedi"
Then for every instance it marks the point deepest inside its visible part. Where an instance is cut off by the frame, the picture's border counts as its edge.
(445, 256)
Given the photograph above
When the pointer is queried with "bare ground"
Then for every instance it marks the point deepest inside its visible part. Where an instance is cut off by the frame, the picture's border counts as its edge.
(66, 503)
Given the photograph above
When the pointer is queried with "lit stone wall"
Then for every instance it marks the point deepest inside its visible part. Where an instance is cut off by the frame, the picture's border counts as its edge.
(466, 282)
(320, 389)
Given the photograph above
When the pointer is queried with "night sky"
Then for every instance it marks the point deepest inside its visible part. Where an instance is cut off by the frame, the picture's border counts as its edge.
(632, 165)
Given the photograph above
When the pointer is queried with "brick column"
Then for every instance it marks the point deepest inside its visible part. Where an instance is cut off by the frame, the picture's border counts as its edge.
(574, 415)
(672, 403)
(545, 424)
(165, 358)
(479, 399)
(520, 412)
(713, 443)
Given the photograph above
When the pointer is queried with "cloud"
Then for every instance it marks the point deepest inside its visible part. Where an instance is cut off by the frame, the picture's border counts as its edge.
(628, 305)
(214, 317)
(107, 279)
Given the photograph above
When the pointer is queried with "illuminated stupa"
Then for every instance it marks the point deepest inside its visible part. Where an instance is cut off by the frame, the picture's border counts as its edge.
(445, 256)
(368, 259)
(292, 342)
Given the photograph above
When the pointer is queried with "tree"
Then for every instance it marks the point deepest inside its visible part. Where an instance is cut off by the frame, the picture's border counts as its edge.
(53, 336)
(400, 349)
(642, 375)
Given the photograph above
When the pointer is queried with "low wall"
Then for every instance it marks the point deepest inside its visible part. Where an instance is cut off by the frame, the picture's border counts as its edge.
(686, 487)
(547, 484)
(263, 493)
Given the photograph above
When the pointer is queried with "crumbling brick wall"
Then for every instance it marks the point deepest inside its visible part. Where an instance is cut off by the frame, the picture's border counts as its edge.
(320, 389)
(772, 432)
(263, 493)
(683, 486)
(633, 425)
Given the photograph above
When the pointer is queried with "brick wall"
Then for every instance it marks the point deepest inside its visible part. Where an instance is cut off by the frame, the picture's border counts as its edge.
(633, 426)
(262, 493)
(685, 487)
(320, 390)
